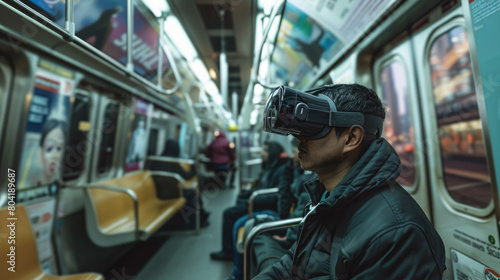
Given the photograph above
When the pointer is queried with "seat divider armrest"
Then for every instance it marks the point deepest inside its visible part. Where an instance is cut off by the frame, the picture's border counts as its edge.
(170, 174)
(129, 192)
(248, 245)
(259, 193)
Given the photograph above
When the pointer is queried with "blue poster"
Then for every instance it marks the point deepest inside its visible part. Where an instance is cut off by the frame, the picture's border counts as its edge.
(485, 16)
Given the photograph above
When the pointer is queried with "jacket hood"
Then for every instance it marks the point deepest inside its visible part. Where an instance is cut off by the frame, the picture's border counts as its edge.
(221, 134)
(378, 166)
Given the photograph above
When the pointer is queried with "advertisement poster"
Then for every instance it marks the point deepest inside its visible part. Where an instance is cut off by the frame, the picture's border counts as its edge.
(45, 135)
(138, 143)
(303, 46)
(41, 217)
(103, 24)
(465, 268)
(485, 20)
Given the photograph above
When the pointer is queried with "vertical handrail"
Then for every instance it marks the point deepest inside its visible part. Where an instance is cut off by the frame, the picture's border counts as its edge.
(160, 56)
(69, 23)
(130, 34)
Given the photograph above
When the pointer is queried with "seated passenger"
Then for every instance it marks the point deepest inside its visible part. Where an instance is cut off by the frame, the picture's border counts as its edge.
(291, 195)
(361, 224)
(221, 156)
(269, 178)
(182, 219)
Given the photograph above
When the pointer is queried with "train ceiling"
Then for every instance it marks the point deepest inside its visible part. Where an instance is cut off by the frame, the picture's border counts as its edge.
(201, 20)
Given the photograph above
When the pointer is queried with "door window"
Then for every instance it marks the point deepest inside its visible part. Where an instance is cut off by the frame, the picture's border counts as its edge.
(109, 127)
(78, 130)
(460, 132)
(398, 129)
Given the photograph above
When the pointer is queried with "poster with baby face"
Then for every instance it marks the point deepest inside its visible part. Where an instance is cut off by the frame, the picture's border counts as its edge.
(45, 135)
(138, 136)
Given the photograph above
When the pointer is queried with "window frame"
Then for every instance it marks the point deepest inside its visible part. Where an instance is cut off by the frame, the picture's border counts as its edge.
(438, 161)
(100, 132)
(383, 62)
(127, 130)
(85, 164)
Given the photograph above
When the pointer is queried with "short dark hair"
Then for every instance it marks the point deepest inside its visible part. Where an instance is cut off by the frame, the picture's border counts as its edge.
(355, 98)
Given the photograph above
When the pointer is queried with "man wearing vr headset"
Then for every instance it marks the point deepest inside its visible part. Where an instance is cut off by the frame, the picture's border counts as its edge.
(360, 223)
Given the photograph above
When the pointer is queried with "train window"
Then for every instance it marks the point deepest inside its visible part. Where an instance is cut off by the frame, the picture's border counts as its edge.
(460, 132)
(153, 142)
(106, 148)
(398, 126)
(78, 129)
(138, 136)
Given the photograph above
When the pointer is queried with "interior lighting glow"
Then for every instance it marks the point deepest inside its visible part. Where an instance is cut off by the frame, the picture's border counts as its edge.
(267, 5)
(199, 70)
(212, 73)
(157, 6)
(253, 117)
(176, 33)
(258, 91)
(213, 91)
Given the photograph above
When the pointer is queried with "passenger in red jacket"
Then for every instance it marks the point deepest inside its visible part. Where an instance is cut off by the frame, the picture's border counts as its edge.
(221, 155)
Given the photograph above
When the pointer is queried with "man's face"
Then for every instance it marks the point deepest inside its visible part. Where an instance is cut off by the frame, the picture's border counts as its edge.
(321, 155)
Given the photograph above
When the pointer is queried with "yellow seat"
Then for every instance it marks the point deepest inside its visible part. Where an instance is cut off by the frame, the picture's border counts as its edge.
(111, 215)
(27, 265)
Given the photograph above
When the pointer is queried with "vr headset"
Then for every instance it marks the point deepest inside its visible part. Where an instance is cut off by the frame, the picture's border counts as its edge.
(289, 111)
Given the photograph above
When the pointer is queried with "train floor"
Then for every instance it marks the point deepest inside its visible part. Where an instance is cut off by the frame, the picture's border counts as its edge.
(182, 255)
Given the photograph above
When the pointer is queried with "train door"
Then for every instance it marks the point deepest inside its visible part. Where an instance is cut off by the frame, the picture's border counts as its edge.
(462, 204)
(111, 114)
(79, 144)
(395, 80)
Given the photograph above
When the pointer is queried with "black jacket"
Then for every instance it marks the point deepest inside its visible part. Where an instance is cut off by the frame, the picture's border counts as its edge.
(293, 194)
(369, 227)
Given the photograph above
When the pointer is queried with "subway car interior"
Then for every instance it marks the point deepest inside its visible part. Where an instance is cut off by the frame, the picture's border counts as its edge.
(135, 134)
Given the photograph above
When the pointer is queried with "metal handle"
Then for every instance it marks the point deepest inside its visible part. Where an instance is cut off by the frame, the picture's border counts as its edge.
(129, 192)
(259, 193)
(248, 246)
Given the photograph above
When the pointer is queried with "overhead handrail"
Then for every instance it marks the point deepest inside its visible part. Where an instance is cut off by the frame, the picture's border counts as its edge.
(171, 61)
(254, 78)
(68, 33)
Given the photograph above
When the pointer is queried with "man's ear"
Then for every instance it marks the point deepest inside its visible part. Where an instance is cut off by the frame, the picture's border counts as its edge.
(353, 138)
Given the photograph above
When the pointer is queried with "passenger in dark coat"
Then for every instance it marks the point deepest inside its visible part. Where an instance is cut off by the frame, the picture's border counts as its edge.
(269, 178)
(268, 248)
(360, 224)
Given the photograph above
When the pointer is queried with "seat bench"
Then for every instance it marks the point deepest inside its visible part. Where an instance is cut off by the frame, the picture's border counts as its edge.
(127, 209)
(27, 265)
